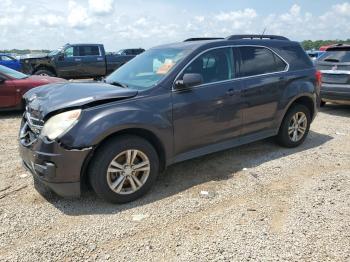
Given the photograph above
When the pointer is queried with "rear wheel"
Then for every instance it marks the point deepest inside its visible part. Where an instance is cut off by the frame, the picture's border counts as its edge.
(44, 72)
(323, 103)
(124, 169)
(295, 126)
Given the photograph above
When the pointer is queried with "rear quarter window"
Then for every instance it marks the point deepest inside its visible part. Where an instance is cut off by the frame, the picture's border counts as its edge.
(295, 56)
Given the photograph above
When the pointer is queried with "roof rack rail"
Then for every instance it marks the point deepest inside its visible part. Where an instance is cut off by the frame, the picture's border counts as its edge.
(202, 38)
(272, 37)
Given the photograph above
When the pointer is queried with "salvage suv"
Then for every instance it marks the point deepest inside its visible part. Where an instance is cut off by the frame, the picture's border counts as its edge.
(171, 103)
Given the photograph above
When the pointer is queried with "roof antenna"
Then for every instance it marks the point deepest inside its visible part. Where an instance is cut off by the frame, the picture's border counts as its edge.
(263, 33)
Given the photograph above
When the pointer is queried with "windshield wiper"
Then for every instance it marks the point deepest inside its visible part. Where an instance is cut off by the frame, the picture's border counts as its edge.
(331, 60)
(116, 83)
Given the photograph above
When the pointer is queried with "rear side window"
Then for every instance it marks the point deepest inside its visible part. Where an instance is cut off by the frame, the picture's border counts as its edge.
(214, 66)
(336, 56)
(258, 61)
(89, 51)
(295, 56)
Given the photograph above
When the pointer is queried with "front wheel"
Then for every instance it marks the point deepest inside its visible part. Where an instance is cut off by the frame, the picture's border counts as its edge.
(295, 126)
(44, 72)
(124, 169)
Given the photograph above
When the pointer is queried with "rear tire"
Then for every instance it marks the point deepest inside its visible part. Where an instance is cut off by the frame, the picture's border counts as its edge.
(44, 72)
(119, 172)
(295, 126)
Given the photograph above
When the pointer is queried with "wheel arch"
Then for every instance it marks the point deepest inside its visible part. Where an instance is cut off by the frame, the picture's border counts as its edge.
(304, 99)
(45, 67)
(139, 132)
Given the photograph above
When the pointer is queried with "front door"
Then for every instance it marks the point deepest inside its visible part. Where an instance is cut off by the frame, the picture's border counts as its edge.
(211, 112)
(69, 65)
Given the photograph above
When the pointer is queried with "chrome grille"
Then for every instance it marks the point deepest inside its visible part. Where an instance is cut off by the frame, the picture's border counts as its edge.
(35, 124)
(30, 129)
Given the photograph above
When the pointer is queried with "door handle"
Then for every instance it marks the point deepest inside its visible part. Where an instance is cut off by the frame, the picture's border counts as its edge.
(231, 92)
(77, 59)
(99, 59)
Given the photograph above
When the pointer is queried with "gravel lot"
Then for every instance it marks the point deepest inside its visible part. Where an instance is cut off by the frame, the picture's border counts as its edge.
(263, 203)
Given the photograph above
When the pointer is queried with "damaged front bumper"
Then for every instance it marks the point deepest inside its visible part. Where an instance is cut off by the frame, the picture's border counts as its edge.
(53, 165)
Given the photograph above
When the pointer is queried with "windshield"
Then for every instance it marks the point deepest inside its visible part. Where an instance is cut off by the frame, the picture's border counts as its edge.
(12, 73)
(338, 56)
(55, 52)
(147, 69)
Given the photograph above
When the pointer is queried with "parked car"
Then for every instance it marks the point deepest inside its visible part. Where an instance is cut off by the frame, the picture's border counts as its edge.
(10, 62)
(314, 55)
(169, 104)
(75, 61)
(335, 68)
(14, 84)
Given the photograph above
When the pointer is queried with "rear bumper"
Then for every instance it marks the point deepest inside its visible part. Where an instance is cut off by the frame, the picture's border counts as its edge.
(335, 93)
(56, 167)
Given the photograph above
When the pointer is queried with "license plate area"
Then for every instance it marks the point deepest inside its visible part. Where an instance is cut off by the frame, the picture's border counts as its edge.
(335, 78)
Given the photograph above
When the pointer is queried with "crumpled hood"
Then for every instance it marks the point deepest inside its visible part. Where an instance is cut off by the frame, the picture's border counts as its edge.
(50, 98)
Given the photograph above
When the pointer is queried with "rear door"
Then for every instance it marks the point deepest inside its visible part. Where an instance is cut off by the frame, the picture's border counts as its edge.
(209, 113)
(262, 74)
(93, 62)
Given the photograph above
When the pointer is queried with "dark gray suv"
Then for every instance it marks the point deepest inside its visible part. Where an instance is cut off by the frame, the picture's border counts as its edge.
(171, 103)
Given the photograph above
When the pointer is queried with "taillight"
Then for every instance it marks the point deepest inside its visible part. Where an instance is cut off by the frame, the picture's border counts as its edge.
(318, 76)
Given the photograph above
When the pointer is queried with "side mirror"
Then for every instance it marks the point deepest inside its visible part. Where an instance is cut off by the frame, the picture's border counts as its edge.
(60, 56)
(2, 80)
(189, 80)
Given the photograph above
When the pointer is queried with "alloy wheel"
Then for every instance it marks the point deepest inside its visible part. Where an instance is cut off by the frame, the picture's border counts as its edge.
(297, 126)
(128, 172)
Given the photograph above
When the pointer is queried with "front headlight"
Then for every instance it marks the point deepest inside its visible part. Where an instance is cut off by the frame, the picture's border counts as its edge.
(60, 124)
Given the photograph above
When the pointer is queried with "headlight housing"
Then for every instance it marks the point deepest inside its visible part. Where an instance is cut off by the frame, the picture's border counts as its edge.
(60, 124)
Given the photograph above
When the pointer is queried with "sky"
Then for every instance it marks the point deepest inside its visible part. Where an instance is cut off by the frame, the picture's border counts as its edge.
(49, 24)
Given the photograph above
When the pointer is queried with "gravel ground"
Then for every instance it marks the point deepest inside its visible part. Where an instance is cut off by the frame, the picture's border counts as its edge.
(255, 202)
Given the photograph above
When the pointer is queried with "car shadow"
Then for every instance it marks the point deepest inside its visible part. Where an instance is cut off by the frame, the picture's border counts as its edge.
(185, 175)
(336, 110)
(10, 114)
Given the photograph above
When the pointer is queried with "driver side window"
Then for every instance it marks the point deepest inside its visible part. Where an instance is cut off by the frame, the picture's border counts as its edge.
(71, 51)
(214, 66)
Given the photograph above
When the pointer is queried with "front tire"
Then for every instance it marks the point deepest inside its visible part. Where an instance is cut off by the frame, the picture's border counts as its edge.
(295, 126)
(44, 72)
(123, 169)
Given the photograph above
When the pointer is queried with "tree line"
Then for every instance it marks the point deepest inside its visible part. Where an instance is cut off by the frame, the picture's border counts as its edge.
(24, 51)
(309, 44)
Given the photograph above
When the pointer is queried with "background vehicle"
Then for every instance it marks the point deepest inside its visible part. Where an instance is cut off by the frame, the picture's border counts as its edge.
(14, 84)
(10, 62)
(335, 68)
(171, 103)
(130, 52)
(75, 61)
(314, 54)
